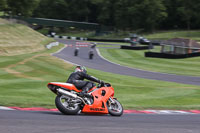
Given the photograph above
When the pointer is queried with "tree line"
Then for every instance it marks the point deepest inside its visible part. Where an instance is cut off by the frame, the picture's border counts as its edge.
(146, 15)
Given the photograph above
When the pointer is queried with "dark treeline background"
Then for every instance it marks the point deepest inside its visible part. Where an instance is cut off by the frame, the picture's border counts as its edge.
(146, 15)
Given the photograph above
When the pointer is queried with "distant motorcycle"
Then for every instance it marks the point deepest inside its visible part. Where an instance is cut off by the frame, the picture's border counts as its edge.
(101, 100)
(76, 52)
(91, 54)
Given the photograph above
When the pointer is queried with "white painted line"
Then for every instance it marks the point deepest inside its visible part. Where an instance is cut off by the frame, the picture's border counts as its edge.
(59, 50)
(105, 58)
(5, 108)
(169, 112)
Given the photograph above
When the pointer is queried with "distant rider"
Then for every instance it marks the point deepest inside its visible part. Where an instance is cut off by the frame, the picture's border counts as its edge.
(77, 78)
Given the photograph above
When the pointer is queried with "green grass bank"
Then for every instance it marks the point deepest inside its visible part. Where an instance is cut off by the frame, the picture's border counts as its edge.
(19, 39)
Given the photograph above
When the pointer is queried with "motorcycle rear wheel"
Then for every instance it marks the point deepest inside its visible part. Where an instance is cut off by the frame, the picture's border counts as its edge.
(115, 109)
(64, 105)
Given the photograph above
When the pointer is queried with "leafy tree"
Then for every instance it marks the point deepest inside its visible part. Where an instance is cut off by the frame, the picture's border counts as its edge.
(125, 15)
(51, 9)
(140, 14)
(122, 14)
(76, 10)
(172, 20)
(188, 11)
(182, 14)
(107, 12)
(3, 5)
(149, 13)
(22, 7)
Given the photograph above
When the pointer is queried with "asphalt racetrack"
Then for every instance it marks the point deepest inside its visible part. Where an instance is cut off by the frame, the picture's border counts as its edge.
(55, 122)
(99, 63)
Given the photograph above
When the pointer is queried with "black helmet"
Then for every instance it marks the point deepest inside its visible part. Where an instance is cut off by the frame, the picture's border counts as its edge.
(80, 69)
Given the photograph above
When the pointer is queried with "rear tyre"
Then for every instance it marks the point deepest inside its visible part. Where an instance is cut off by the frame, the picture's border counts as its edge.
(114, 107)
(66, 105)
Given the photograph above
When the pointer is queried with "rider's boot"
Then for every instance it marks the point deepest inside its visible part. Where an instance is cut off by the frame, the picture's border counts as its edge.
(84, 93)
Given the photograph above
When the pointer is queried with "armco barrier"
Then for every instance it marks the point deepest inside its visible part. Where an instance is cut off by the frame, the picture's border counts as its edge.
(85, 39)
(134, 47)
(105, 40)
(68, 37)
(170, 56)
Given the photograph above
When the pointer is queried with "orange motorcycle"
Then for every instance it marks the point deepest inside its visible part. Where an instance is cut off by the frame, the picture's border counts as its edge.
(101, 100)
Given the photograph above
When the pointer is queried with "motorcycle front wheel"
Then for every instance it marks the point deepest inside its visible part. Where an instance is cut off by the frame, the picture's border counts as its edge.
(114, 107)
(66, 105)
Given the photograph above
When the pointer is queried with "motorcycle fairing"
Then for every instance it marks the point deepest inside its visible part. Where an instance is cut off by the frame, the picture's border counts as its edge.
(99, 105)
(63, 85)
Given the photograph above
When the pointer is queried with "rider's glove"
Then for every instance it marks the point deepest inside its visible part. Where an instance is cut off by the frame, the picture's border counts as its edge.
(101, 82)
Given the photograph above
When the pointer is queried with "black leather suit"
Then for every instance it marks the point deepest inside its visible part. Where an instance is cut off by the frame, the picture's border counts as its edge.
(77, 78)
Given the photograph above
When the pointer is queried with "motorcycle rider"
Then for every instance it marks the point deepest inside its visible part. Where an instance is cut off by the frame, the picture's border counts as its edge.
(77, 78)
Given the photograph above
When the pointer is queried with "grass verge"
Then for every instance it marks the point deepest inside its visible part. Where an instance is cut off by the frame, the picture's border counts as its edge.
(136, 59)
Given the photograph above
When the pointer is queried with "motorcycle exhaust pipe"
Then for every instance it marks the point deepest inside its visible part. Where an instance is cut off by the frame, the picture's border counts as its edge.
(66, 93)
(69, 94)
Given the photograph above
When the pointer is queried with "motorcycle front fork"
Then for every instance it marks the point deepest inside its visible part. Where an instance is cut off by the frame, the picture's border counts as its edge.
(110, 101)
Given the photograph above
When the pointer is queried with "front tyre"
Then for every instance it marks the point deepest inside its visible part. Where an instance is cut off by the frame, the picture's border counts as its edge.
(66, 105)
(114, 107)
